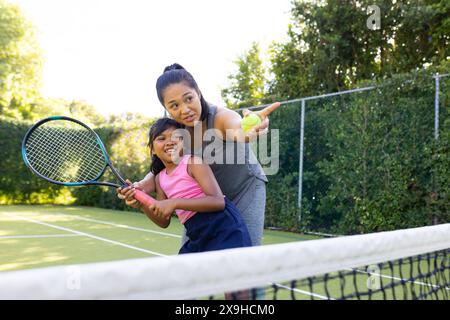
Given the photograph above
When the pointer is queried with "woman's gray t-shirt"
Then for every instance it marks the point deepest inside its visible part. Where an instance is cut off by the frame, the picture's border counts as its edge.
(234, 164)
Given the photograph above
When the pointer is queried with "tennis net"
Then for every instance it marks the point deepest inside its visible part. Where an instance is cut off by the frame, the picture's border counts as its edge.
(402, 264)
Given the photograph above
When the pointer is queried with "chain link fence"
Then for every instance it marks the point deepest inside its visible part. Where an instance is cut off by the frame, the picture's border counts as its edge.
(362, 160)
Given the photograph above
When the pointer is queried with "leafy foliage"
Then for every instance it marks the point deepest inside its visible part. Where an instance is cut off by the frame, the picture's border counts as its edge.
(330, 47)
(248, 83)
(371, 162)
(20, 63)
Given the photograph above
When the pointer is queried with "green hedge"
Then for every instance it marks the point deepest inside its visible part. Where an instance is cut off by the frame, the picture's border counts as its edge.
(17, 183)
(127, 148)
(371, 162)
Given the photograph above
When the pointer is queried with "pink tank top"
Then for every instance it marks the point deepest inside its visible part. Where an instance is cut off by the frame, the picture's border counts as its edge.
(180, 185)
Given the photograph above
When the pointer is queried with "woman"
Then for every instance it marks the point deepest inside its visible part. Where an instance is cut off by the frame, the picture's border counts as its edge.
(217, 137)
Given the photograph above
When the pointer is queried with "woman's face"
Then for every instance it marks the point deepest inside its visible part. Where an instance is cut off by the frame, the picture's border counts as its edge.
(183, 103)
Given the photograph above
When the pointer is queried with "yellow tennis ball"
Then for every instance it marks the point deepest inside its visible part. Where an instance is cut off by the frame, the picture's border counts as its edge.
(250, 121)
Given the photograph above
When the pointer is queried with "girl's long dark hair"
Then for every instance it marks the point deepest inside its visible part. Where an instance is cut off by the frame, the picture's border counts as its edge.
(156, 129)
(173, 74)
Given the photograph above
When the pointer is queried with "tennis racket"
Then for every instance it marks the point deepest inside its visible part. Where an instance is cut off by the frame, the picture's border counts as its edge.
(67, 152)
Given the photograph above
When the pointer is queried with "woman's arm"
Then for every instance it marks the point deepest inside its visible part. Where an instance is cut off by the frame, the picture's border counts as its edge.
(228, 123)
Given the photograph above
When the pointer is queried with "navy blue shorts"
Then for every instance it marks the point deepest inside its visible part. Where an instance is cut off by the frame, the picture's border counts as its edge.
(208, 231)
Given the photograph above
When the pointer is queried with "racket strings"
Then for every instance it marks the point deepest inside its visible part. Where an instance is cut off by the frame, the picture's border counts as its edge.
(47, 162)
(41, 144)
(87, 167)
(65, 158)
(65, 153)
(94, 165)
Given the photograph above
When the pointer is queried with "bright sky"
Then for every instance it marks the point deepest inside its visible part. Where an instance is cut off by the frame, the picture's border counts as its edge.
(110, 52)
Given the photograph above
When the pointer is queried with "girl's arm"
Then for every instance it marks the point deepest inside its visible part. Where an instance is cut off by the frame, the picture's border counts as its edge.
(213, 201)
(162, 221)
(148, 184)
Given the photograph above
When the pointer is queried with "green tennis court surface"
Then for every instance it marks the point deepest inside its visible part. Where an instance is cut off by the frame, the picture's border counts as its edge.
(42, 236)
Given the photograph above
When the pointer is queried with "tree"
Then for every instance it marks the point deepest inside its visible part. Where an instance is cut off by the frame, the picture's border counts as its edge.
(369, 160)
(81, 110)
(20, 63)
(248, 83)
(330, 47)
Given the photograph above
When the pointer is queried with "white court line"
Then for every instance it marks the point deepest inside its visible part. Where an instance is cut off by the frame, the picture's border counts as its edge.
(124, 226)
(86, 235)
(40, 236)
(308, 293)
(128, 246)
(420, 283)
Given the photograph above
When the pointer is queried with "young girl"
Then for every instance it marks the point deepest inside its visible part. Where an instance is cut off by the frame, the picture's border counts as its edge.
(186, 185)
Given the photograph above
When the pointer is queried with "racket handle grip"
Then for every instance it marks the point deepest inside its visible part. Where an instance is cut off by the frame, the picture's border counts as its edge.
(143, 198)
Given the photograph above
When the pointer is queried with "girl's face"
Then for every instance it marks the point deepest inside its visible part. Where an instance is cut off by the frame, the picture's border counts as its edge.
(168, 146)
(183, 103)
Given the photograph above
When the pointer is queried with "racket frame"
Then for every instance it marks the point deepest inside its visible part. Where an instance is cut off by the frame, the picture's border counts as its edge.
(74, 184)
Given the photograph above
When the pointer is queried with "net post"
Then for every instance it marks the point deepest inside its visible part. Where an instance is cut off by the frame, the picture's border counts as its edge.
(300, 170)
(436, 106)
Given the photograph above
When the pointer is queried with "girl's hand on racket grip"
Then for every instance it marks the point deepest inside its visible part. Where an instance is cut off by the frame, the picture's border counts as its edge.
(139, 195)
(163, 208)
(143, 198)
(128, 194)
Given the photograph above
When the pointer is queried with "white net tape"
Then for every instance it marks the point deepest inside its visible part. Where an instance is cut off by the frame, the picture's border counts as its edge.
(196, 275)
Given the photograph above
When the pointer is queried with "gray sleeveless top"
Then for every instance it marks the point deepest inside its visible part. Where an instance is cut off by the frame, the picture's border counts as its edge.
(234, 164)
